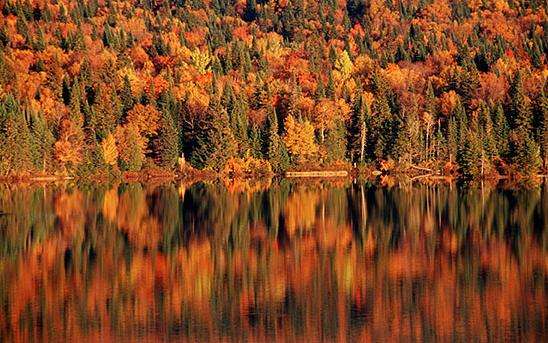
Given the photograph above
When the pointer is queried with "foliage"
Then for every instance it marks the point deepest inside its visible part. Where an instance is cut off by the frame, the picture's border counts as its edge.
(299, 139)
(289, 81)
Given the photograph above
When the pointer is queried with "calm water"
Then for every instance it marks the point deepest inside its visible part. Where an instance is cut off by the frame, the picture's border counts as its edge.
(265, 262)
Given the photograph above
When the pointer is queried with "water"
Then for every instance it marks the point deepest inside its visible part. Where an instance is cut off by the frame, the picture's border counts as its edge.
(272, 262)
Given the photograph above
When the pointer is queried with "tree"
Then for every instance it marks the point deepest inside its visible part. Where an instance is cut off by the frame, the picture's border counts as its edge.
(408, 136)
(15, 138)
(335, 142)
(520, 111)
(357, 130)
(215, 142)
(452, 139)
(468, 156)
(144, 118)
(523, 150)
(250, 10)
(167, 142)
(343, 65)
(130, 148)
(487, 131)
(382, 133)
(42, 142)
(126, 96)
(272, 148)
(106, 112)
(299, 139)
(541, 124)
(70, 144)
(110, 151)
(500, 127)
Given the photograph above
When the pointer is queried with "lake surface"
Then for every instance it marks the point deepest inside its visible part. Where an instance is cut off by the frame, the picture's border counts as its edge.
(272, 262)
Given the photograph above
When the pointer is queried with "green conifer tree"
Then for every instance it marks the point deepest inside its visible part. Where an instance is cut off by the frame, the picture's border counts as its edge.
(500, 126)
(357, 130)
(469, 156)
(215, 141)
(166, 144)
(272, 142)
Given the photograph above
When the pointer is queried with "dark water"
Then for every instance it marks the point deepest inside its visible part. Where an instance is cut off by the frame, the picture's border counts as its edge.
(272, 262)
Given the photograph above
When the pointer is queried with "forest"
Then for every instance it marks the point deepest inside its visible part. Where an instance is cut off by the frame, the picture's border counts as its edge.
(101, 87)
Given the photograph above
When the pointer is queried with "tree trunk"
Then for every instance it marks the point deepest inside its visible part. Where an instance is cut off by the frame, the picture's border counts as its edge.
(362, 143)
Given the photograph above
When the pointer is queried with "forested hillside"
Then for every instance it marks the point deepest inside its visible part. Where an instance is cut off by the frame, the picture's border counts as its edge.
(102, 87)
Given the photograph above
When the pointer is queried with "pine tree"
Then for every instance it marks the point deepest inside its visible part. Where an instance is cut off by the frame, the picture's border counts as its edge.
(238, 118)
(452, 139)
(462, 122)
(357, 130)
(126, 96)
(215, 141)
(42, 143)
(469, 156)
(487, 132)
(523, 150)
(15, 138)
(272, 142)
(408, 136)
(335, 141)
(166, 143)
(250, 10)
(501, 129)
(382, 121)
(130, 148)
(106, 112)
(520, 111)
(541, 125)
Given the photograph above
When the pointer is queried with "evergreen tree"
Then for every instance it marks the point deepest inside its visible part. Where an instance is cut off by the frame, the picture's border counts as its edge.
(520, 111)
(462, 122)
(501, 129)
(487, 132)
(408, 136)
(42, 143)
(335, 142)
(523, 150)
(469, 155)
(452, 139)
(382, 120)
(541, 125)
(15, 138)
(106, 112)
(272, 148)
(166, 143)
(250, 13)
(126, 96)
(357, 130)
(131, 157)
(215, 141)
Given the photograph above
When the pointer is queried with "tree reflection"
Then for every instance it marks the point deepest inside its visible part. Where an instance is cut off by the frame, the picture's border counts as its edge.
(264, 261)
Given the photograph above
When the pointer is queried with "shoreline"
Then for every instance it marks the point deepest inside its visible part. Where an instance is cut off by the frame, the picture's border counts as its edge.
(198, 175)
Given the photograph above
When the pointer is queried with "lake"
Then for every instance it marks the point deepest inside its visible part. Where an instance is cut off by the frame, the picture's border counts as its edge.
(272, 261)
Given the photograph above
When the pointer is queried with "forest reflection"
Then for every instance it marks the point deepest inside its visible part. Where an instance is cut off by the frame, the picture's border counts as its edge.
(270, 261)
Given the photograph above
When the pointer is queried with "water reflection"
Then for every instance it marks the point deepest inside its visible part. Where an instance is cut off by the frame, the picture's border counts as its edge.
(263, 262)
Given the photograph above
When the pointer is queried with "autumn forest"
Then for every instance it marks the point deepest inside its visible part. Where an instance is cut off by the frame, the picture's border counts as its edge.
(97, 87)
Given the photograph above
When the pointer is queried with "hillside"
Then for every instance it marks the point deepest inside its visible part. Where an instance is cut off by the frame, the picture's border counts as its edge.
(107, 87)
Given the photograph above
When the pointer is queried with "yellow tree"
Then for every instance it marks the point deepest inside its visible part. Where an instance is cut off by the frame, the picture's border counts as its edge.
(201, 60)
(344, 65)
(110, 151)
(299, 138)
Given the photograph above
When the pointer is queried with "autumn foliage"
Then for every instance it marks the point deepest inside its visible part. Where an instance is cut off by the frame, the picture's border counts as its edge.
(420, 83)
